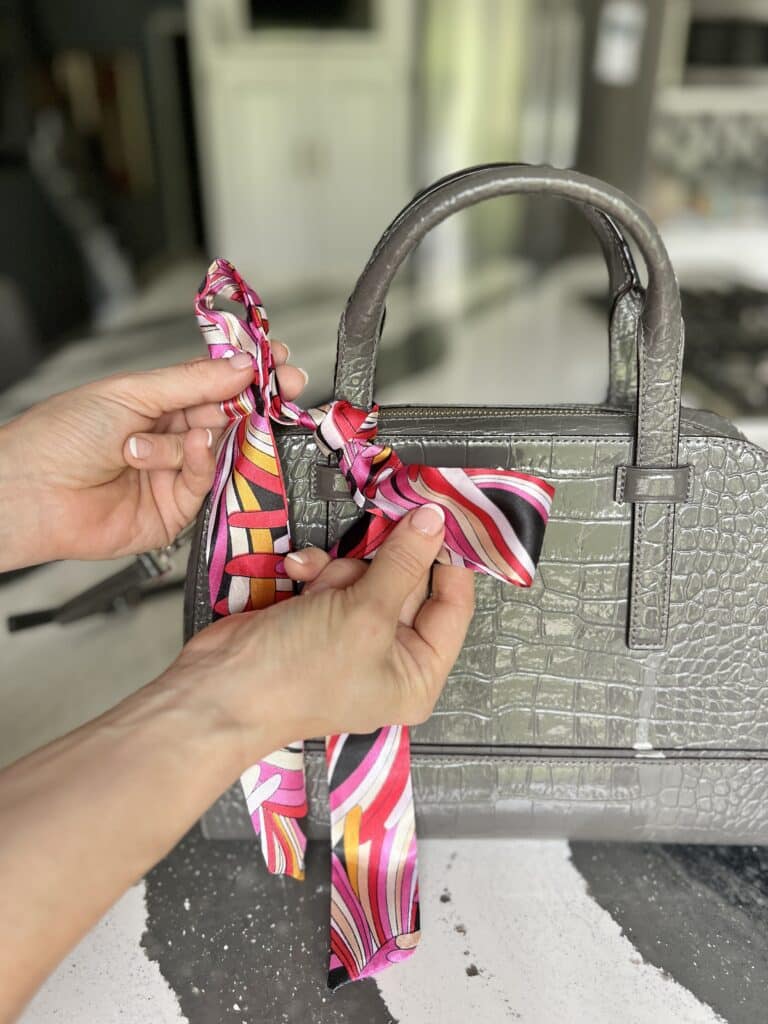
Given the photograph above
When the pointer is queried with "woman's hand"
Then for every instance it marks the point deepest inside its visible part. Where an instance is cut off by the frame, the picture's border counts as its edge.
(359, 649)
(121, 465)
(363, 646)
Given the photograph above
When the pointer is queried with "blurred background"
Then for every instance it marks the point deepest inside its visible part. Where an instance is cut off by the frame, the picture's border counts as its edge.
(139, 139)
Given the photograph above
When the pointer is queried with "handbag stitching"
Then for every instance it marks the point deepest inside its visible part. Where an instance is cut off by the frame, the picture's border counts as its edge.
(671, 511)
(691, 443)
(313, 479)
(638, 517)
(621, 394)
(638, 511)
(621, 246)
(621, 481)
(452, 761)
(700, 442)
(668, 521)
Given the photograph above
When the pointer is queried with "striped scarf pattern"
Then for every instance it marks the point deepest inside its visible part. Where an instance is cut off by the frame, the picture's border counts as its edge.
(494, 524)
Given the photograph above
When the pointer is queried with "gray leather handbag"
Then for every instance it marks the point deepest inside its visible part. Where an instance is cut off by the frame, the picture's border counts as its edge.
(625, 695)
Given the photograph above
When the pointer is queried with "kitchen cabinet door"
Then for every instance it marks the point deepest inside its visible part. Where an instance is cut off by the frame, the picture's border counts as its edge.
(264, 182)
(366, 175)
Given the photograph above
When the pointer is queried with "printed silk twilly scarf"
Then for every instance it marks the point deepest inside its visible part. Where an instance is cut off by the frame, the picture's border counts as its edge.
(495, 523)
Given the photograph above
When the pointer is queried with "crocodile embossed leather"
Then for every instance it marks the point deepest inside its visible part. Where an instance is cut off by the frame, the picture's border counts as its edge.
(622, 696)
(495, 520)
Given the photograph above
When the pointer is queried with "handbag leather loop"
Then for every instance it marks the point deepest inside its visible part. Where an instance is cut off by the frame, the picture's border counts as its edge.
(660, 347)
(625, 291)
(622, 272)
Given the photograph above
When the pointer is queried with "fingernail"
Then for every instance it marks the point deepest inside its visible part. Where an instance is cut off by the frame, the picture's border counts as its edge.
(429, 519)
(304, 374)
(209, 432)
(296, 556)
(287, 351)
(241, 361)
(139, 447)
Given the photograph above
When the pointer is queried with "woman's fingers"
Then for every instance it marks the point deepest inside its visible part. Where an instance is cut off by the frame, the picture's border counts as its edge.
(197, 470)
(154, 392)
(280, 352)
(443, 619)
(315, 568)
(434, 642)
(197, 383)
(403, 561)
(318, 571)
(209, 415)
(190, 457)
(292, 380)
(413, 603)
(167, 451)
(337, 575)
(306, 564)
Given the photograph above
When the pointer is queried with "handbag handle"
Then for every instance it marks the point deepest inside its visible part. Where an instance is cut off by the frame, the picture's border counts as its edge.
(624, 288)
(660, 351)
(622, 272)
(364, 316)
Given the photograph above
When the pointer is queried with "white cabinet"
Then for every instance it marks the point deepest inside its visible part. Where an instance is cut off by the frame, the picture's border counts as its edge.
(305, 141)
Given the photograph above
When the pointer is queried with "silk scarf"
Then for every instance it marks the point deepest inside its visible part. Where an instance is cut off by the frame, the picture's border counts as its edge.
(494, 524)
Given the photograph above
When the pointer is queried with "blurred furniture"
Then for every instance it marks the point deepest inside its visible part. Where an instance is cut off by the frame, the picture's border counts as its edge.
(726, 348)
(304, 114)
(19, 345)
(710, 136)
(590, 86)
(42, 281)
(174, 136)
(709, 149)
(80, 159)
(620, 57)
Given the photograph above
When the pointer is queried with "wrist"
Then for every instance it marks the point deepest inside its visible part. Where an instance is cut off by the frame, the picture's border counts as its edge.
(237, 731)
(26, 531)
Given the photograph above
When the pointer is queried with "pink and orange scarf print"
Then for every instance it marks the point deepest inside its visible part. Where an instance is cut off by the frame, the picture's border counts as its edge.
(495, 522)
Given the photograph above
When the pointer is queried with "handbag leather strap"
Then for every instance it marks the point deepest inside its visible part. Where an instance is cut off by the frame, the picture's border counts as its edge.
(659, 345)
(625, 291)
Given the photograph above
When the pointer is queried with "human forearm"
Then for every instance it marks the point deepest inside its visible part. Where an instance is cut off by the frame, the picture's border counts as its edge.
(83, 818)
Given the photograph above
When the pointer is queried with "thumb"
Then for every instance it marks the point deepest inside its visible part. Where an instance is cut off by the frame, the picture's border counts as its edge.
(404, 559)
(187, 384)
